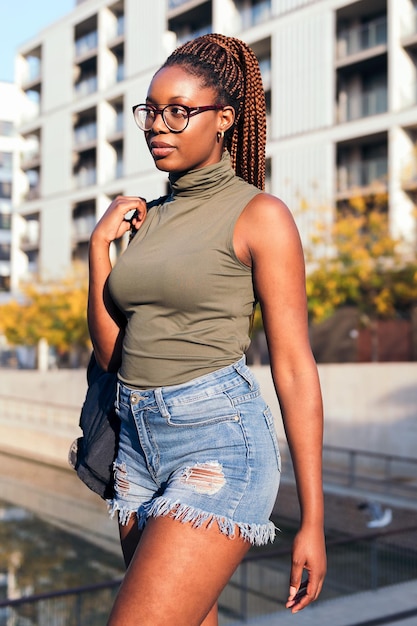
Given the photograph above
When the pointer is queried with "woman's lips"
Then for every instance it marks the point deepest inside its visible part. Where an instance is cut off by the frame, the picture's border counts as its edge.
(160, 149)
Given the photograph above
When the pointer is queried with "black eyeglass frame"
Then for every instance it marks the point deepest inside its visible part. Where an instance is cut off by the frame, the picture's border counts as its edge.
(191, 111)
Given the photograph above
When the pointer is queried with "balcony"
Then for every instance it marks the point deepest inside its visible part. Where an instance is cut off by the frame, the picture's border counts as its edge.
(5, 252)
(117, 29)
(184, 36)
(256, 14)
(85, 177)
(357, 39)
(6, 162)
(119, 170)
(86, 86)
(30, 238)
(86, 44)
(31, 73)
(32, 77)
(409, 28)
(265, 67)
(33, 193)
(174, 4)
(5, 205)
(30, 159)
(85, 134)
(5, 189)
(365, 104)
(120, 73)
(5, 221)
(83, 227)
(31, 111)
(117, 126)
(409, 177)
(7, 129)
(361, 175)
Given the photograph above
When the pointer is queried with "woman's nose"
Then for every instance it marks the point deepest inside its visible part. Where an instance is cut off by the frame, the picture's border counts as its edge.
(158, 124)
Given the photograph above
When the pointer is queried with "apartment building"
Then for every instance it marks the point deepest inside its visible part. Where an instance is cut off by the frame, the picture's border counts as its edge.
(340, 79)
(12, 103)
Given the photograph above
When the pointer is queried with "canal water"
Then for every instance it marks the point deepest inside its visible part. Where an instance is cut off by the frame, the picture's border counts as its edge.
(54, 533)
(37, 557)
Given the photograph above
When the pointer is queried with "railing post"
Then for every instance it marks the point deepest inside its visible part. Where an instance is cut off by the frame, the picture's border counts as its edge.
(78, 609)
(352, 468)
(374, 564)
(388, 473)
(244, 591)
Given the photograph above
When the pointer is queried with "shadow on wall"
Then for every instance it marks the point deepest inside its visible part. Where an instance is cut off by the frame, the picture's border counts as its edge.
(383, 423)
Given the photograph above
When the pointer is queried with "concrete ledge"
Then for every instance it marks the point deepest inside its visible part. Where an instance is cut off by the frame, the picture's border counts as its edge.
(351, 610)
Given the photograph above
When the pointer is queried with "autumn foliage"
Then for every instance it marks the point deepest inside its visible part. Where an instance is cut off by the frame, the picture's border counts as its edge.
(54, 311)
(362, 266)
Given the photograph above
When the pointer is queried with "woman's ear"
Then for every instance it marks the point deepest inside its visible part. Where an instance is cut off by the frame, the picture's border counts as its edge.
(227, 118)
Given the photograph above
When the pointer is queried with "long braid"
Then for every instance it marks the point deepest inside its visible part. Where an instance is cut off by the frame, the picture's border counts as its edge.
(232, 69)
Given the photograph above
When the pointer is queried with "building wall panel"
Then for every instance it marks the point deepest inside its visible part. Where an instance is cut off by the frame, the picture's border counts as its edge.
(302, 67)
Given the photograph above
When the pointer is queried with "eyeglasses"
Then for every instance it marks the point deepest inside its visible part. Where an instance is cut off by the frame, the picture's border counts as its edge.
(175, 116)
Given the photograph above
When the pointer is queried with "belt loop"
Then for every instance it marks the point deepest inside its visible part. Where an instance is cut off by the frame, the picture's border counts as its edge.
(242, 369)
(117, 399)
(161, 404)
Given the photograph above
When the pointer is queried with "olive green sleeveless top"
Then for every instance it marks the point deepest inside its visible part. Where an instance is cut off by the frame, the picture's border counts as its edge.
(186, 296)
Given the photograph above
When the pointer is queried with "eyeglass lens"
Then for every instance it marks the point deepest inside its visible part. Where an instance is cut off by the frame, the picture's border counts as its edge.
(174, 116)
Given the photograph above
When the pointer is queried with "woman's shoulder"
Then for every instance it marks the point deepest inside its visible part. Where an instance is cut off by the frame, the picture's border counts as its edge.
(267, 207)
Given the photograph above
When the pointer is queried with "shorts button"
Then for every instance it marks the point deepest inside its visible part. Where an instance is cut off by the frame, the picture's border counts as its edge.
(134, 398)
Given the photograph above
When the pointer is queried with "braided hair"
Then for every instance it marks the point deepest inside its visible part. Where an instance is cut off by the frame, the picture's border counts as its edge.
(231, 68)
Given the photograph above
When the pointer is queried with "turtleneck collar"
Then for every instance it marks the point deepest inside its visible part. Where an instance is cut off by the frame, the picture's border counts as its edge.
(202, 181)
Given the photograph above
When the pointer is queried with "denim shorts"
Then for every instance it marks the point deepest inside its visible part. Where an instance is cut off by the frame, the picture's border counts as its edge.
(202, 452)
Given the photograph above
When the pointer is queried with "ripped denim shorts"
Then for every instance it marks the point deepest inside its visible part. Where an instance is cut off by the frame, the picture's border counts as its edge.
(202, 452)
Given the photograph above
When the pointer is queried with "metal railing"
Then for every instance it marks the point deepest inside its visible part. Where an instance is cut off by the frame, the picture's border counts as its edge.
(86, 43)
(259, 586)
(38, 415)
(384, 475)
(375, 471)
(362, 173)
(362, 37)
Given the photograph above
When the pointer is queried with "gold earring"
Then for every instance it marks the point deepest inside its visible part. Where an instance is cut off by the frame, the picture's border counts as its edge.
(220, 135)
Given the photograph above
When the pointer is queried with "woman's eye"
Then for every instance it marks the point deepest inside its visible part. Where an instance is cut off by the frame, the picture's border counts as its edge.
(178, 111)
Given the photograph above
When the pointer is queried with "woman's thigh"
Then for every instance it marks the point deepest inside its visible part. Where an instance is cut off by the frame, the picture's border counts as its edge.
(176, 574)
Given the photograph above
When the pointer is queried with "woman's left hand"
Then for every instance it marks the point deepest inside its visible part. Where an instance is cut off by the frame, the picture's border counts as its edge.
(308, 553)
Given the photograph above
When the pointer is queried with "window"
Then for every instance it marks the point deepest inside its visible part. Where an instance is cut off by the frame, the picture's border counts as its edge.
(5, 189)
(4, 252)
(6, 129)
(6, 160)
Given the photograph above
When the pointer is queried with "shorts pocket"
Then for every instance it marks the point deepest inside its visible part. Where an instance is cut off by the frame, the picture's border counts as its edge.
(202, 412)
(269, 419)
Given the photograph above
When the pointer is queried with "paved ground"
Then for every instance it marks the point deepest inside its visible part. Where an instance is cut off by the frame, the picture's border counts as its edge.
(395, 605)
(363, 609)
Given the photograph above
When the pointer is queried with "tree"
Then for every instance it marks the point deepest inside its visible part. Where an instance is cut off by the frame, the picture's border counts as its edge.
(364, 266)
(55, 311)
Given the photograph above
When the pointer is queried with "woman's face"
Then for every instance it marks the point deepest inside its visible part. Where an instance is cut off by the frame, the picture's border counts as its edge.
(197, 146)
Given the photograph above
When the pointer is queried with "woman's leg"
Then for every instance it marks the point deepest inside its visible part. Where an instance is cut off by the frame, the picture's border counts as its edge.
(129, 538)
(176, 575)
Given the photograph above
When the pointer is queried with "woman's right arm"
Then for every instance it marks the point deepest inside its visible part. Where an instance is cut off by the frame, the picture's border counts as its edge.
(105, 321)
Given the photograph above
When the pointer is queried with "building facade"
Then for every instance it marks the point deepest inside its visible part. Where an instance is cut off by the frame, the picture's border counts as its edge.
(12, 103)
(340, 79)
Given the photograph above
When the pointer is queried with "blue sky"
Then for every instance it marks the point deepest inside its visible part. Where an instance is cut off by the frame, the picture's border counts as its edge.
(22, 19)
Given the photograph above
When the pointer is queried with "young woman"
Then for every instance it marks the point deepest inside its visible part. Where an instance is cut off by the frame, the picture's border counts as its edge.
(198, 467)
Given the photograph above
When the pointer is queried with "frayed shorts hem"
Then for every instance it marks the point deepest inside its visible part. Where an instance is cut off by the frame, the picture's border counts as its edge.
(256, 534)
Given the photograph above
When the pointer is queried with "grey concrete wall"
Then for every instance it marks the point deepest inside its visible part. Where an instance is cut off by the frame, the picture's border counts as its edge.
(368, 406)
